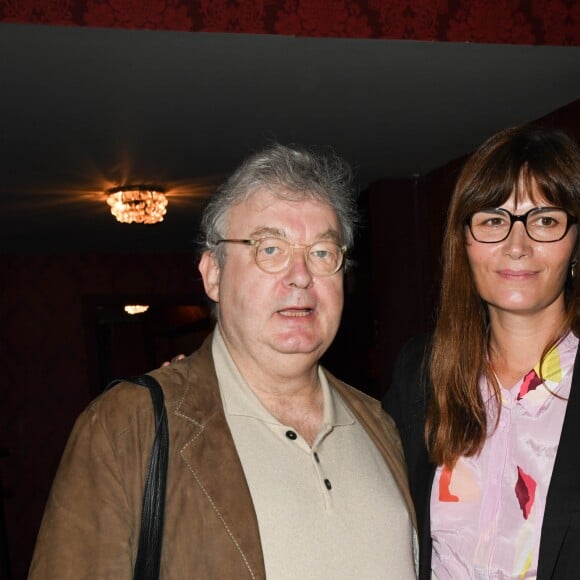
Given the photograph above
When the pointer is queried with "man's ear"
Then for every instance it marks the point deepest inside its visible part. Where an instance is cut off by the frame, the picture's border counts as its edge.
(210, 273)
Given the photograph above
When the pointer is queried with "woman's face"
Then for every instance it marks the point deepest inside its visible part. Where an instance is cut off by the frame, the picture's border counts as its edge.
(520, 275)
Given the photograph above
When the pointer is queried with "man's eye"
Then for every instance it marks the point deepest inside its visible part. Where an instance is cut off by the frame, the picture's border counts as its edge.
(270, 247)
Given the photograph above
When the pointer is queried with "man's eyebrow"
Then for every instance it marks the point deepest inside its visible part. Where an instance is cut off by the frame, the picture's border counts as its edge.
(266, 232)
(331, 234)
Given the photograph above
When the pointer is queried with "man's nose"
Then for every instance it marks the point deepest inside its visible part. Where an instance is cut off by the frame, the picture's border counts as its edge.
(298, 273)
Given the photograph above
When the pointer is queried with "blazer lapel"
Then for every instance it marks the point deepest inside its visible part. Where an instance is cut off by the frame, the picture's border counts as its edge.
(385, 442)
(564, 491)
(212, 458)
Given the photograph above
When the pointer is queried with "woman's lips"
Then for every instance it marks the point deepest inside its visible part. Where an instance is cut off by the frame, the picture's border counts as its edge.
(517, 274)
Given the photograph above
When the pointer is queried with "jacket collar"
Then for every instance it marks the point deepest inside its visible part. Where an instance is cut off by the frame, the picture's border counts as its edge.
(211, 457)
(368, 412)
(564, 492)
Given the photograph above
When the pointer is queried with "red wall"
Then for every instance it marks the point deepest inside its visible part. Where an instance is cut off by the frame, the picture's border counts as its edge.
(489, 21)
(47, 363)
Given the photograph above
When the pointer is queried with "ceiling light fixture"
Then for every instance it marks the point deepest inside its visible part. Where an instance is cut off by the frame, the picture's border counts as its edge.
(143, 204)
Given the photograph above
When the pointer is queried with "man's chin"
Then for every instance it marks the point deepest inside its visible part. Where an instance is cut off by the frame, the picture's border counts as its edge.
(301, 346)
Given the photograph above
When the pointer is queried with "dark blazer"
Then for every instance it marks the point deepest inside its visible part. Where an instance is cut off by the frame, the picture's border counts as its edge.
(559, 557)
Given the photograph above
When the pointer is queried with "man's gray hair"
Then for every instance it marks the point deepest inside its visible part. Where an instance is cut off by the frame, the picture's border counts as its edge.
(287, 172)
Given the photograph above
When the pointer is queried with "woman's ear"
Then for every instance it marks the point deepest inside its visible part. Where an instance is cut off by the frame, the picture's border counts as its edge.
(210, 274)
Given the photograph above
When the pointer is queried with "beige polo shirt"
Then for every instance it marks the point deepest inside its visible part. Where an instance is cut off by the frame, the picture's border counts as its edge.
(330, 511)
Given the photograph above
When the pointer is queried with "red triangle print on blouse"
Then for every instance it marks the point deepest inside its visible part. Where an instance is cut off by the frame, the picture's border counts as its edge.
(444, 483)
(525, 492)
(530, 383)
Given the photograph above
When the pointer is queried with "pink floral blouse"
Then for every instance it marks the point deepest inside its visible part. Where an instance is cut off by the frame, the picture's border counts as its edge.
(486, 513)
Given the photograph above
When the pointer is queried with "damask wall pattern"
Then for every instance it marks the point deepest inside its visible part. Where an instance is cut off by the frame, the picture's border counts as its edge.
(540, 22)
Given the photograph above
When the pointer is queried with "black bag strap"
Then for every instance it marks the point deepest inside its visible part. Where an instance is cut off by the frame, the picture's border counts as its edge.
(148, 561)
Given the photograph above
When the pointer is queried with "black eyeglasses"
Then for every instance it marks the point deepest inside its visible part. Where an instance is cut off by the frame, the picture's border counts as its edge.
(543, 224)
(272, 255)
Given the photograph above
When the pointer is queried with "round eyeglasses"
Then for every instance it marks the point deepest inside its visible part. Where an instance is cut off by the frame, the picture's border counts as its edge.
(542, 224)
(272, 255)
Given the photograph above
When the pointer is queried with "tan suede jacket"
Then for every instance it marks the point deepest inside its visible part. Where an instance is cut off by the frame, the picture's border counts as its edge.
(92, 518)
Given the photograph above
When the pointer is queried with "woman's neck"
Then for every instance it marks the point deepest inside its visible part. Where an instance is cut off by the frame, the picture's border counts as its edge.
(518, 341)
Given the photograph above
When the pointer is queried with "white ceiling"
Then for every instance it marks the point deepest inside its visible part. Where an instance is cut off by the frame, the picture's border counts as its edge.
(86, 108)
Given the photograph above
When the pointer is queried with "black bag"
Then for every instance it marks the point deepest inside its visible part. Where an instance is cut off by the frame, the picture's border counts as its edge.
(148, 560)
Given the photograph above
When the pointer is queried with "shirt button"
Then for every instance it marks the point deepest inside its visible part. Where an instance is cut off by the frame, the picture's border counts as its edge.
(316, 458)
(328, 484)
(291, 435)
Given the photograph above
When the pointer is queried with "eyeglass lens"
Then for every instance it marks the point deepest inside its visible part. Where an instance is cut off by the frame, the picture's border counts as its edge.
(323, 257)
(542, 224)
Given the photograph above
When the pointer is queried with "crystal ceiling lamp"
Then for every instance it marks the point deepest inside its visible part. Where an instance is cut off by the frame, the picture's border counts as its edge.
(143, 204)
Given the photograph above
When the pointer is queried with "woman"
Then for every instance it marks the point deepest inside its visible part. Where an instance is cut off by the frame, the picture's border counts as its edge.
(495, 392)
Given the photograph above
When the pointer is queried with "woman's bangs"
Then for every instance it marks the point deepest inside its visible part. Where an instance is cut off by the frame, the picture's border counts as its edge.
(549, 191)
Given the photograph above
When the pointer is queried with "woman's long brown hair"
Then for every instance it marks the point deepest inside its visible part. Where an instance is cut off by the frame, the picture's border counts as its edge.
(456, 416)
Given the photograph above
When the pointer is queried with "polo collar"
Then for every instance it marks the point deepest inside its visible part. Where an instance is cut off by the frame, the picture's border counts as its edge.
(239, 399)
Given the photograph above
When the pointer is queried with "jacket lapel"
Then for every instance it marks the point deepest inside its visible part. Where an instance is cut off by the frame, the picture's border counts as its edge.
(564, 491)
(369, 418)
(211, 457)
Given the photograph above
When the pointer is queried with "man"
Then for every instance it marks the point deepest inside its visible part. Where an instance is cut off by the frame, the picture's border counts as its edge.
(276, 468)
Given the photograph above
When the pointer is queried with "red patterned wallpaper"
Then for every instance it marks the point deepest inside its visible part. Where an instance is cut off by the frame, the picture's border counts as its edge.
(488, 21)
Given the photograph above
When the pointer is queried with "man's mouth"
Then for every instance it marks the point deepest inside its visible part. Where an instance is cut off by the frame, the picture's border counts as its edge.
(295, 312)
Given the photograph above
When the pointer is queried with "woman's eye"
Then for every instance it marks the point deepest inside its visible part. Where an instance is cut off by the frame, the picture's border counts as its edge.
(494, 222)
(547, 222)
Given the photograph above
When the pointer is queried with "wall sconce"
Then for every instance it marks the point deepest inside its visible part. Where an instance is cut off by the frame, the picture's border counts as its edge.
(136, 308)
(143, 204)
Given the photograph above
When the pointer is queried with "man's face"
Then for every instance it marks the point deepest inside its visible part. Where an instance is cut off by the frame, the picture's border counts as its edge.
(287, 317)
